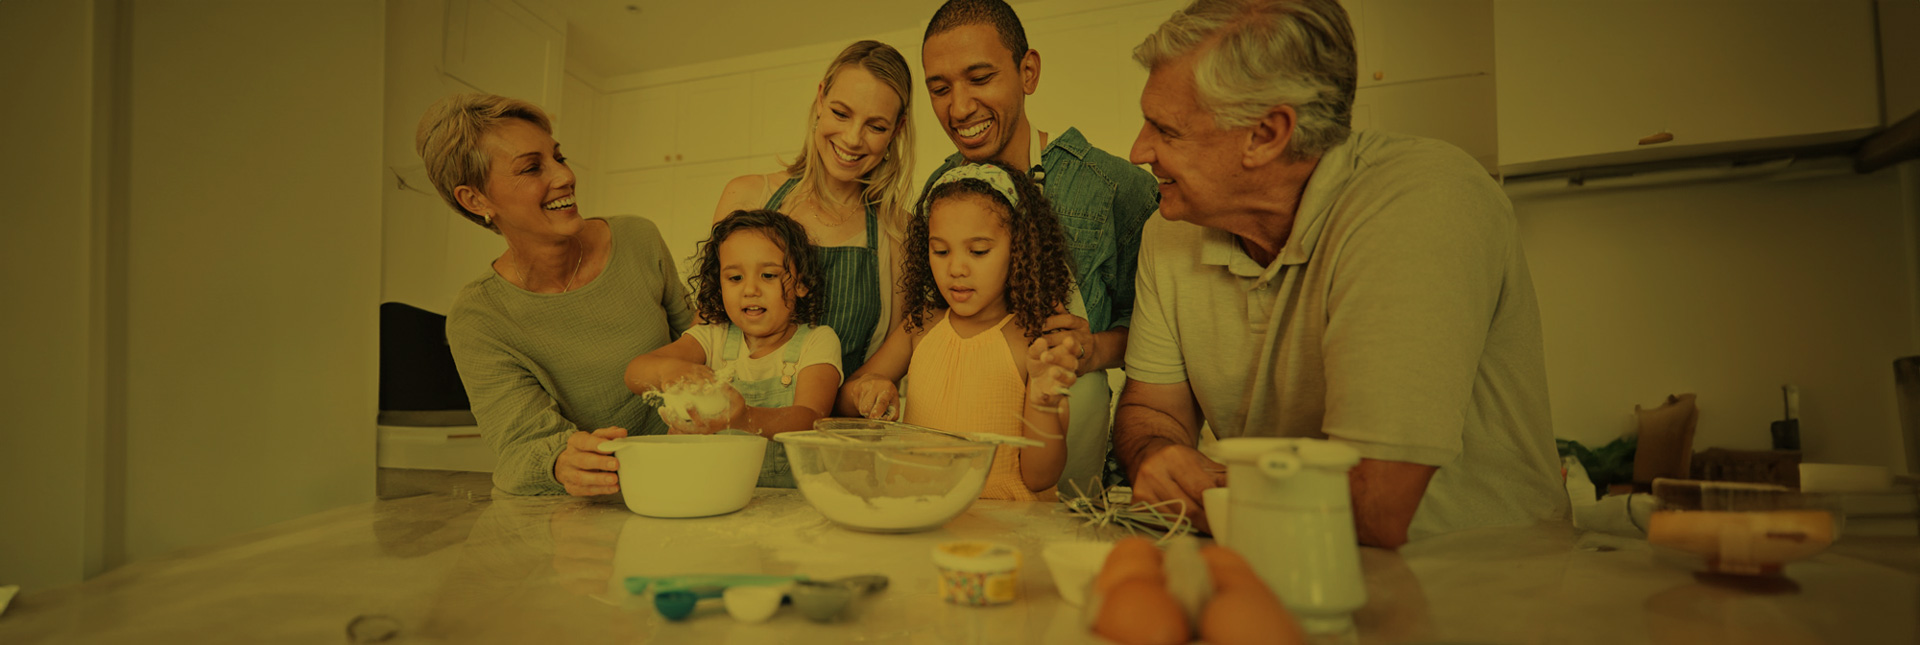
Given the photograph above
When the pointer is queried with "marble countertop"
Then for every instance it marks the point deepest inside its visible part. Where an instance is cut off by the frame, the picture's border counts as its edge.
(464, 568)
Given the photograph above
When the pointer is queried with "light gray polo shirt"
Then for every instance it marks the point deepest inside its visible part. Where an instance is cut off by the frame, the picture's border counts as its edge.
(1399, 318)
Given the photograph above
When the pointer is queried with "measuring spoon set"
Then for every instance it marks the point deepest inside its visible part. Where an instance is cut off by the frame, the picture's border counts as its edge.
(755, 598)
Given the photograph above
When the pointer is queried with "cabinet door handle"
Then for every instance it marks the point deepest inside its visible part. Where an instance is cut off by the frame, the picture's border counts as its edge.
(1658, 137)
(667, 158)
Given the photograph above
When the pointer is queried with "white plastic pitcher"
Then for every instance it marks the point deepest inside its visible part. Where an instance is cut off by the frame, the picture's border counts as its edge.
(1293, 521)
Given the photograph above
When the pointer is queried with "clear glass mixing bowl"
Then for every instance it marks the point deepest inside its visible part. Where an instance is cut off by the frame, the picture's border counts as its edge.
(886, 477)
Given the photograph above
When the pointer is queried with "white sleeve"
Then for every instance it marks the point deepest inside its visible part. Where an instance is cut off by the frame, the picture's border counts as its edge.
(710, 336)
(822, 346)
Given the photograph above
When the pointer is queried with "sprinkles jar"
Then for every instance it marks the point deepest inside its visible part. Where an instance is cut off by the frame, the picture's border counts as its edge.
(978, 573)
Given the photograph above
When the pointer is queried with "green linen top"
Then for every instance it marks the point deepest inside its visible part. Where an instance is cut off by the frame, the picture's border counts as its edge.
(538, 366)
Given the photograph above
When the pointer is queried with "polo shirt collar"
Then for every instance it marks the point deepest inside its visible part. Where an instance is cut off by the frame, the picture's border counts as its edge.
(1220, 248)
(1324, 186)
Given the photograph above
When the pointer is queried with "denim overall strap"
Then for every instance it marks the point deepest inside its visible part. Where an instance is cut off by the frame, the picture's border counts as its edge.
(773, 392)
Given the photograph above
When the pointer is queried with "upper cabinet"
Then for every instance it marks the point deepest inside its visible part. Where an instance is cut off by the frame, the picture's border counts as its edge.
(1421, 40)
(780, 99)
(1598, 82)
(1426, 69)
(501, 47)
(686, 122)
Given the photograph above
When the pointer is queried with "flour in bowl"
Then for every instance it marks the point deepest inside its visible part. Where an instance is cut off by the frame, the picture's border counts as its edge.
(883, 513)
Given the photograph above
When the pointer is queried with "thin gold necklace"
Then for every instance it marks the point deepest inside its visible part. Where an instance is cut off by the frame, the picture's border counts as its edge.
(821, 201)
(579, 260)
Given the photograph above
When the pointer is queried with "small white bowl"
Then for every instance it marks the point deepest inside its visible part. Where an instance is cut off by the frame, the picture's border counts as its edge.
(687, 475)
(1073, 565)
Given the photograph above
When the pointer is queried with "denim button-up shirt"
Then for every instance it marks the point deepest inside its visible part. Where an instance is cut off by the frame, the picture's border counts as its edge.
(1103, 202)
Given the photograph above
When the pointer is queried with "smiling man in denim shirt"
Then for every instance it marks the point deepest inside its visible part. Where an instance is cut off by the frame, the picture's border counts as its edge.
(979, 71)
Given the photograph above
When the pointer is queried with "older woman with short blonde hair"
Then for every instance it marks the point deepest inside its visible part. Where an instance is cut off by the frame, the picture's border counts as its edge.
(543, 336)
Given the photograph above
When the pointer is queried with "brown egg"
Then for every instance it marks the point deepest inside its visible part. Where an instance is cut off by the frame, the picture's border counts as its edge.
(1141, 612)
(1229, 569)
(1243, 610)
(1130, 558)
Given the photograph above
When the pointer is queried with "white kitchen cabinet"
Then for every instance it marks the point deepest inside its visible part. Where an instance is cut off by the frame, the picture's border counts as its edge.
(780, 99)
(711, 113)
(1418, 40)
(576, 129)
(637, 193)
(1598, 82)
(679, 199)
(500, 47)
(640, 129)
(1455, 110)
(679, 123)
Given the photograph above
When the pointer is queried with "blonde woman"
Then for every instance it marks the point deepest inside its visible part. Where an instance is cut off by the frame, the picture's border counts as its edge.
(849, 188)
(542, 337)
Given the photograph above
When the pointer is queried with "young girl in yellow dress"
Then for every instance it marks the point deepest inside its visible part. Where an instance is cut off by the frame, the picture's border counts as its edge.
(987, 264)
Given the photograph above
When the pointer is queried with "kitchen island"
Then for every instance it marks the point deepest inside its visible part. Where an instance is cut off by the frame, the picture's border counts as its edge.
(473, 567)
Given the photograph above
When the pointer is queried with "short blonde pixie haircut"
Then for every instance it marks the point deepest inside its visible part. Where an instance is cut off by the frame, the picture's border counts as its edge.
(450, 136)
(1260, 54)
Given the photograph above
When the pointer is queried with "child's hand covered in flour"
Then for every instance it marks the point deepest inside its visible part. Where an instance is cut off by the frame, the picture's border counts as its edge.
(702, 408)
(876, 397)
(1051, 370)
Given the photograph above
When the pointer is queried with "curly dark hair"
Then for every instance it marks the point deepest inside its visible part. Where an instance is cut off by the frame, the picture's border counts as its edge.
(803, 265)
(1039, 275)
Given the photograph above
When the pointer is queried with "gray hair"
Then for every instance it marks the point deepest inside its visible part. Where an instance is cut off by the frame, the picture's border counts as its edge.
(1259, 54)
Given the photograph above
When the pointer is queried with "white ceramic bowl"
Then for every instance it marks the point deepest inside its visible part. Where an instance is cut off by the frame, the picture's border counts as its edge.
(687, 475)
(1073, 565)
(886, 477)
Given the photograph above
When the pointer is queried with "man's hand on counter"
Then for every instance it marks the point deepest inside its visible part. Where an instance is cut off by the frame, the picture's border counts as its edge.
(1176, 472)
(585, 471)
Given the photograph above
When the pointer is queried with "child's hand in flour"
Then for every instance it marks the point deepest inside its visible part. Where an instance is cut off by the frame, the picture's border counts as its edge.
(717, 410)
(1050, 371)
(876, 397)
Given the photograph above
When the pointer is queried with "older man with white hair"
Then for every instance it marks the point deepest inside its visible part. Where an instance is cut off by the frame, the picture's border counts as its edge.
(1310, 281)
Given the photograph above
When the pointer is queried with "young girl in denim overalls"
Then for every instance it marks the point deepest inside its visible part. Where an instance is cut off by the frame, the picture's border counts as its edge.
(761, 275)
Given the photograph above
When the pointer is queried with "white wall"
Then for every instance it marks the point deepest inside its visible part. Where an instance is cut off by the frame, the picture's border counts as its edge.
(45, 53)
(428, 249)
(1728, 290)
(192, 272)
(253, 263)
